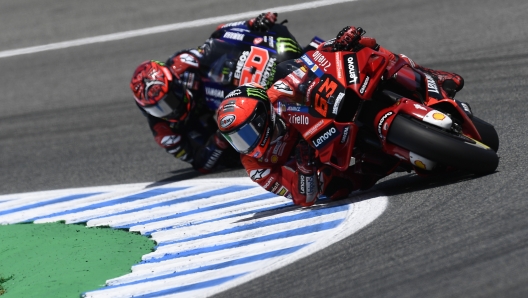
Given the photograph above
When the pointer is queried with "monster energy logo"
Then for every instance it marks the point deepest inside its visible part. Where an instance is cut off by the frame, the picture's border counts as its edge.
(285, 44)
(158, 62)
(257, 92)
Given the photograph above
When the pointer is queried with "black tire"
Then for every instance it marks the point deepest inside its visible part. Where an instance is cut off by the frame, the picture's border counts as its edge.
(487, 133)
(441, 146)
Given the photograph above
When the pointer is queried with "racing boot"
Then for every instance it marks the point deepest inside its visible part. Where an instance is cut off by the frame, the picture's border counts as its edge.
(334, 185)
(450, 82)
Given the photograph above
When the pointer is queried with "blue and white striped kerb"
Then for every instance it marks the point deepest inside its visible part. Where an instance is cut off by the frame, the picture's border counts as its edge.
(211, 234)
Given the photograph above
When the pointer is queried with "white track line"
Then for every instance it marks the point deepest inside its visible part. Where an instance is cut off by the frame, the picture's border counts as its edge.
(166, 28)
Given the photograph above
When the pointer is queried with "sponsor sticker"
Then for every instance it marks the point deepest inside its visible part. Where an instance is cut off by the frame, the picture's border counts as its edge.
(307, 60)
(275, 186)
(234, 36)
(364, 86)
(325, 136)
(351, 69)
(382, 121)
(438, 116)
(301, 184)
(229, 106)
(282, 191)
(339, 65)
(282, 87)
(299, 119)
(321, 60)
(335, 108)
(227, 120)
(314, 128)
(431, 84)
(419, 107)
(344, 137)
(266, 137)
(233, 93)
(214, 92)
(285, 44)
(240, 64)
(188, 59)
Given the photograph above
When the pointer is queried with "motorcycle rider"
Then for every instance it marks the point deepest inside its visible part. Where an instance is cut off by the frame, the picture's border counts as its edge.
(274, 153)
(171, 97)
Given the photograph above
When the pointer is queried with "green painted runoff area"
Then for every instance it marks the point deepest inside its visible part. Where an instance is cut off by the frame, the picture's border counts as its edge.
(57, 260)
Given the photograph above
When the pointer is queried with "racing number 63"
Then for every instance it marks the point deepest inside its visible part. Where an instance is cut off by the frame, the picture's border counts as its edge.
(254, 67)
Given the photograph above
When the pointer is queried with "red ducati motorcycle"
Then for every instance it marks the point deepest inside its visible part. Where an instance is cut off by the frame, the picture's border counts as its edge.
(360, 112)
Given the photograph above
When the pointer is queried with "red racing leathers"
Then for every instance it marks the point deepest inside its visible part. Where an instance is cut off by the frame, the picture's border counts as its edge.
(277, 170)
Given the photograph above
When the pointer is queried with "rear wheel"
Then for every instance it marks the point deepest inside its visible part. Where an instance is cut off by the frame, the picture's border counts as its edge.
(442, 146)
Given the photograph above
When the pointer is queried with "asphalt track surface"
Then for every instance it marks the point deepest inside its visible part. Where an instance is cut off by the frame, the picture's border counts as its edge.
(67, 120)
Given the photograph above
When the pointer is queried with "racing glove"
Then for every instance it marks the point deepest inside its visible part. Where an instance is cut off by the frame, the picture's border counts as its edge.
(307, 184)
(209, 155)
(263, 22)
(349, 39)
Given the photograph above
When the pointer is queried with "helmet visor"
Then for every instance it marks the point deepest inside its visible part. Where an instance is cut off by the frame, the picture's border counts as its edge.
(245, 138)
(170, 106)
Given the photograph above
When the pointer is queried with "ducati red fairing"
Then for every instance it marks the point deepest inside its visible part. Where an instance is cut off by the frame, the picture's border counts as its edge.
(338, 74)
(419, 87)
(352, 107)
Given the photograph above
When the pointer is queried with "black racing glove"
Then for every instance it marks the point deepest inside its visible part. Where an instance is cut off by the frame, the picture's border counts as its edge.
(263, 22)
(208, 156)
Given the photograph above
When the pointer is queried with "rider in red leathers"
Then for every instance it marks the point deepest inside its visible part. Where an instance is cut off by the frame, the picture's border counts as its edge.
(172, 98)
(274, 153)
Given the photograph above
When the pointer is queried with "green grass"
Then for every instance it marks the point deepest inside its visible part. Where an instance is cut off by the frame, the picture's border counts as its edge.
(3, 280)
(57, 260)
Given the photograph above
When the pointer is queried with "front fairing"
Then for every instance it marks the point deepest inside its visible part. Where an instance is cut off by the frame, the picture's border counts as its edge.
(332, 140)
(357, 71)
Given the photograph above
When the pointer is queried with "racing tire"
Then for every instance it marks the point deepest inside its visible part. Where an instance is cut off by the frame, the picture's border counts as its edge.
(444, 147)
(487, 133)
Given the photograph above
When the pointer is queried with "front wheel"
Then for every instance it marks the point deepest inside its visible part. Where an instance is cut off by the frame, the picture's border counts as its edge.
(487, 133)
(442, 146)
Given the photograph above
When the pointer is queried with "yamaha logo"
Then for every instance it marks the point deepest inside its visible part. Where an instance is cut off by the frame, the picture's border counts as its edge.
(227, 120)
